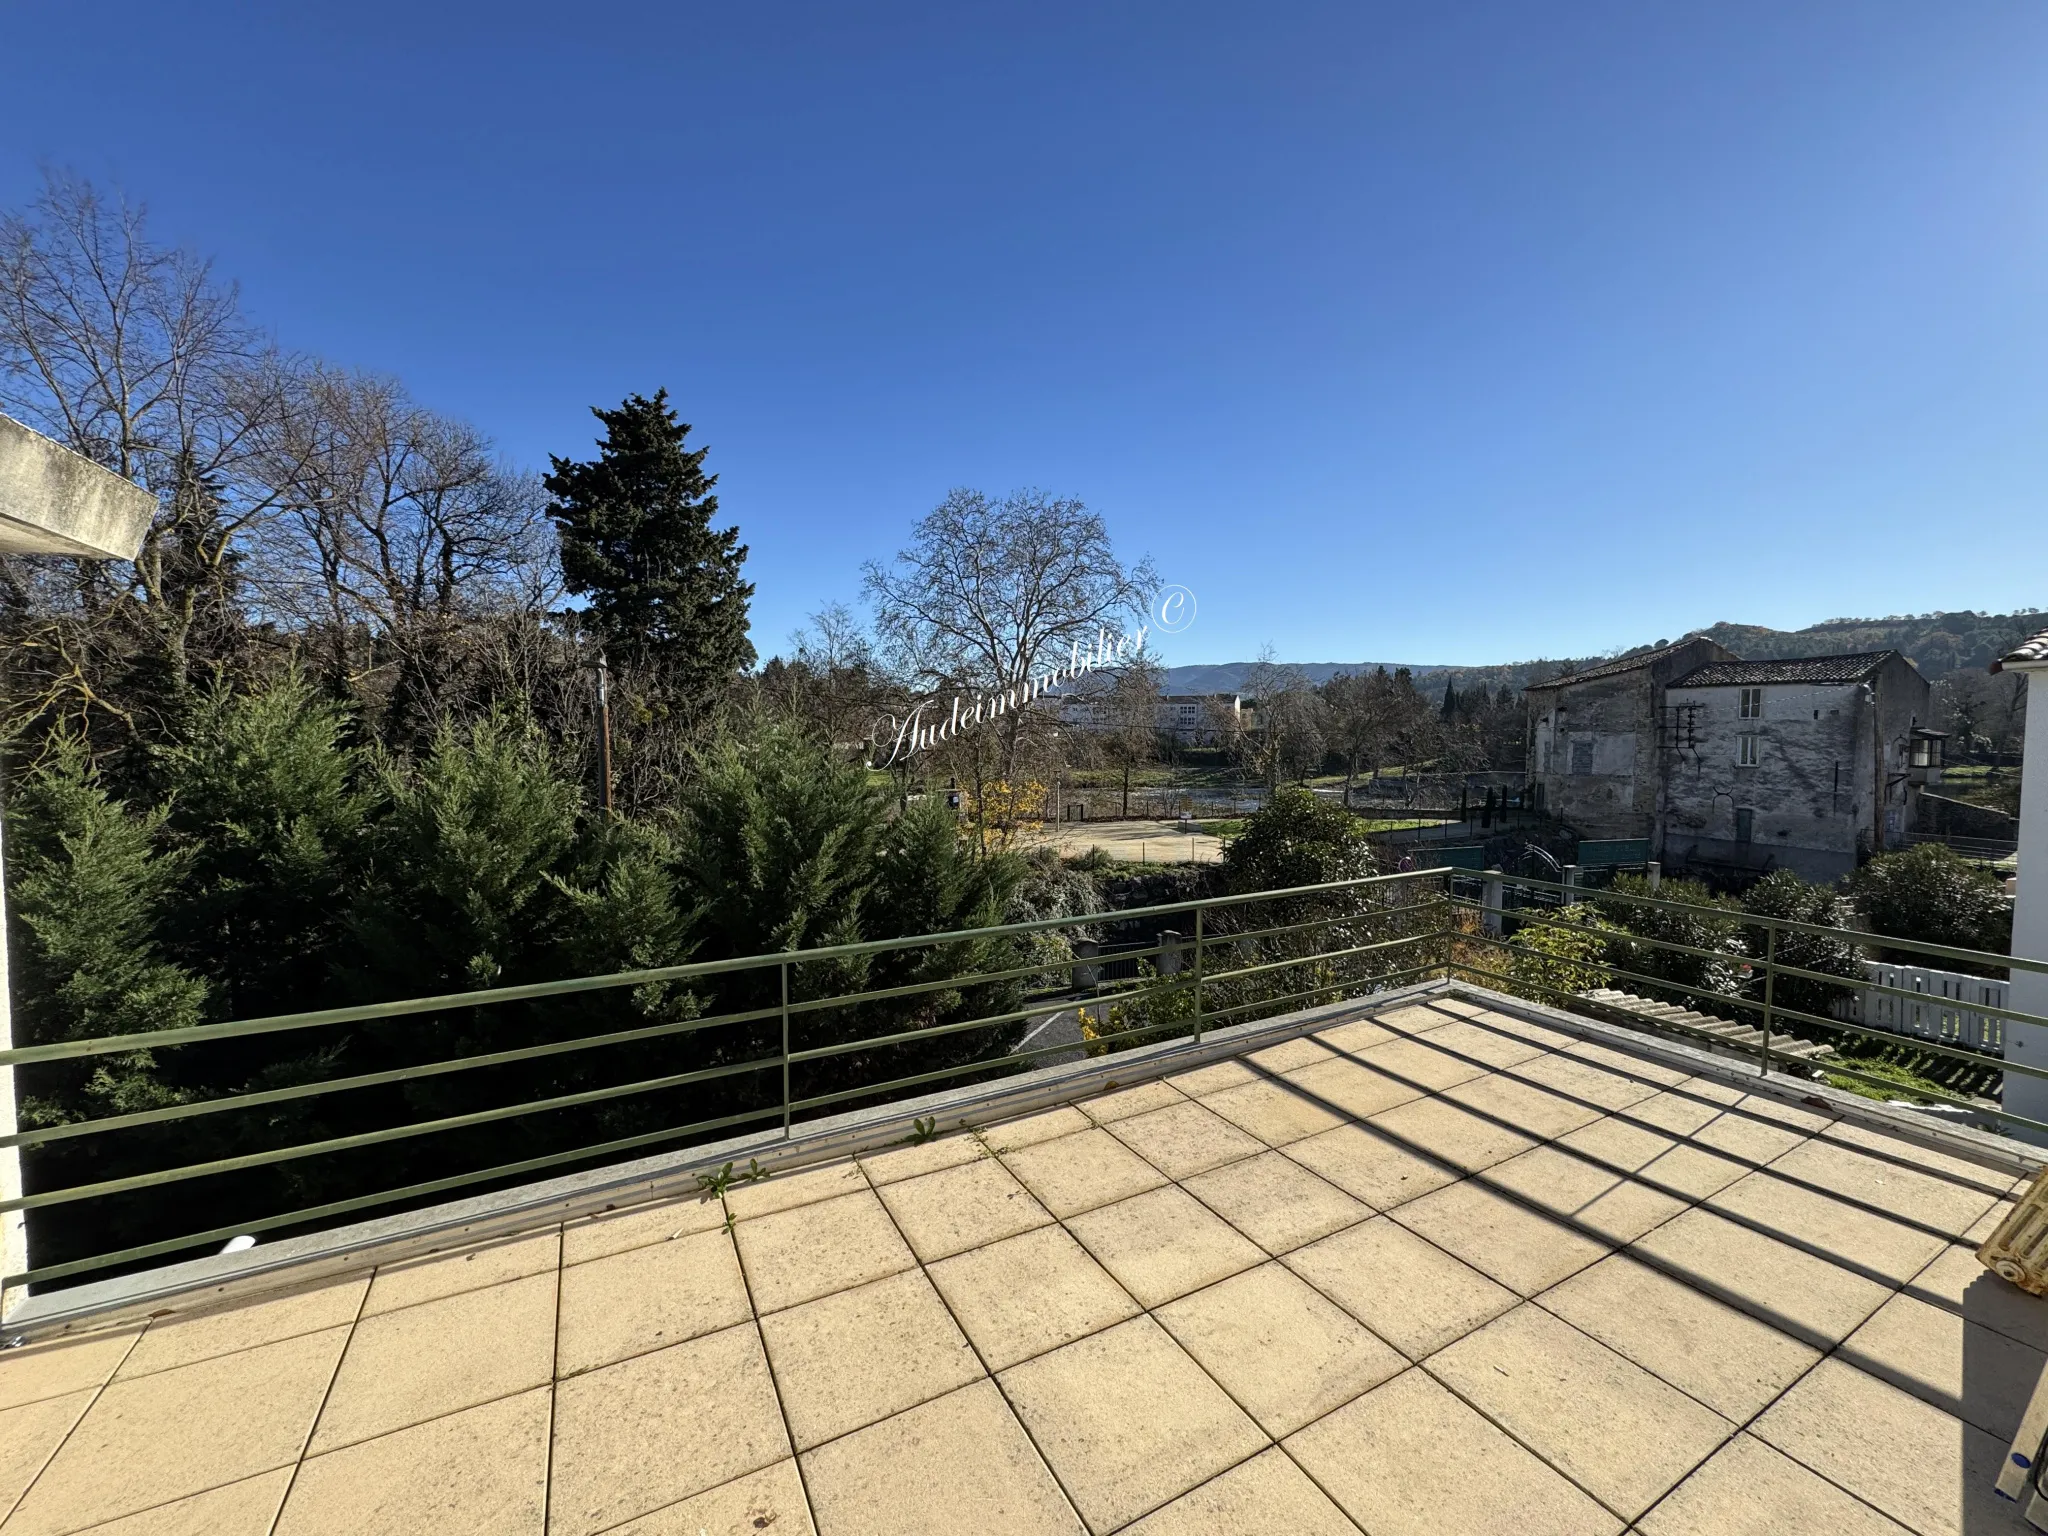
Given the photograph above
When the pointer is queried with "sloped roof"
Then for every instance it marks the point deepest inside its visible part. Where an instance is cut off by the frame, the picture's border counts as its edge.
(1619, 665)
(2033, 654)
(1802, 669)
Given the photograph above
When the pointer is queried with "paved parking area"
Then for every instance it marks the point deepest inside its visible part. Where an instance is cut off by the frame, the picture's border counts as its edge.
(1443, 1270)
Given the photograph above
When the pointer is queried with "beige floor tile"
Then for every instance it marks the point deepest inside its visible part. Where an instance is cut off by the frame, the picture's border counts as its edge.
(611, 1232)
(1185, 1139)
(1748, 1489)
(473, 1269)
(1275, 1111)
(1276, 1202)
(1215, 1077)
(1628, 1062)
(36, 1371)
(1289, 1055)
(1352, 1088)
(1680, 1110)
(1079, 1172)
(1583, 1194)
(418, 1363)
(960, 1208)
(846, 1360)
(1030, 1293)
(485, 1469)
(1790, 1289)
(1950, 1204)
(1958, 1280)
(1450, 1133)
(1013, 1135)
(29, 1437)
(769, 1500)
(1501, 1238)
(1607, 1424)
(1741, 1132)
(1797, 1117)
(1420, 1018)
(1982, 1377)
(1997, 1181)
(1404, 1457)
(1819, 1221)
(799, 1255)
(1479, 1041)
(247, 1508)
(908, 1161)
(165, 1436)
(1530, 1108)
(1675, 1166)
(630, 1438)
(648, 1298)
(1526, 1029)
(1122, 1103)
(1267, 1493)
(182, 1339)
(1421, 1065)
(1163, 1244)
(786, 1191)
(1409, 1292)
(1372, 1165)
(1358, 1035)
(1128, 1421)
(1725, 1358)
(1279, 1347)
(1926, 1469)
(962, 1463)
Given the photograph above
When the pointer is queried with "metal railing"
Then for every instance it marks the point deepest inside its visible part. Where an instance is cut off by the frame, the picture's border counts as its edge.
(1486, 951)
(763, 1040)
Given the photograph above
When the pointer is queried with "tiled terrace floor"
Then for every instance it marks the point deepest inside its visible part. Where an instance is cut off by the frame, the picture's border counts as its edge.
(1445, 1271)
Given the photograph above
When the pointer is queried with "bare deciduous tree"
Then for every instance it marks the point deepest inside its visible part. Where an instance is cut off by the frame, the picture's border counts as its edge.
(993, 592)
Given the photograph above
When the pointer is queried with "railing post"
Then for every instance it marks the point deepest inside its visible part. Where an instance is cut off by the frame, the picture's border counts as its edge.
(1770, 991)
(1198, 975)
(1656, 873)
(1571, 884)
(1492, 921)
(785, 1048)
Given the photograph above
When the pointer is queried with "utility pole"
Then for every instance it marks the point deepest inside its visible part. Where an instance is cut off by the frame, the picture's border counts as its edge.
(604, 721)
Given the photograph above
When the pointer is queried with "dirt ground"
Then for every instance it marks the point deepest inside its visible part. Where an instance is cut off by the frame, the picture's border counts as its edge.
(1138, 842)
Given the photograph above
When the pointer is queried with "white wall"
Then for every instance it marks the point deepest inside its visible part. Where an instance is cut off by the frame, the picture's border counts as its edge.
(13, 1227)
(2027, 1042)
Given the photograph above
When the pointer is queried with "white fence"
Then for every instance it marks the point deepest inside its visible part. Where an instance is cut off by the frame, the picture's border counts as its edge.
(1956, 1010)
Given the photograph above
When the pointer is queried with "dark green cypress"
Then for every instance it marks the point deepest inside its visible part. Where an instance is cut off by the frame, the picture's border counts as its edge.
(663, 585)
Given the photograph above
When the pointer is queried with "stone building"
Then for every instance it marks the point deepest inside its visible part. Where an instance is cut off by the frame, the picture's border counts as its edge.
(1810, 764)
(1593, 738)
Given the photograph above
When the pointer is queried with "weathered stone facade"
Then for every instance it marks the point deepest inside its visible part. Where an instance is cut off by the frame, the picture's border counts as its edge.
(1810, 765)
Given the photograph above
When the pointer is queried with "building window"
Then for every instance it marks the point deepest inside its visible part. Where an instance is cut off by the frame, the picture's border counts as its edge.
(1752, 704)
(1582, 755)
(1746, 751)
(1745, 824)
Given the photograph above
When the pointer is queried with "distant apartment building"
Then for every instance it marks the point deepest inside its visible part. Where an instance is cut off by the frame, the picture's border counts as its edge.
(1810, 764)
(1193, 719)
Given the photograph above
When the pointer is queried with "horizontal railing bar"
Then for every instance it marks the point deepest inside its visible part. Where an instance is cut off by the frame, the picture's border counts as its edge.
(1778, 1010)
(162, 1176)
(1213, 939)
(1775, 1053)
(1760, 920)
(1377, 983)
(383, 1197)
(531, 991)
(375, 1079)
(1321, 954)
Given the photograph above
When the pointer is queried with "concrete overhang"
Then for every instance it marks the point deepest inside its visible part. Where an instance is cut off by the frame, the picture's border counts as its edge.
(56, 502)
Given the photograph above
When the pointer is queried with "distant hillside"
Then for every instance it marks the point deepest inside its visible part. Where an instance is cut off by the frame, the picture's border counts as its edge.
(1937, 643)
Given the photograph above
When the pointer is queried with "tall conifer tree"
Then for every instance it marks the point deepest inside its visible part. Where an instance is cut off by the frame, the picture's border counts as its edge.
(664, 585)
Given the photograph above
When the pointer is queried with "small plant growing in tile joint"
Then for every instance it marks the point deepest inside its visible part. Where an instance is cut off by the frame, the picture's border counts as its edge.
(922, 1130)
(718, 1183)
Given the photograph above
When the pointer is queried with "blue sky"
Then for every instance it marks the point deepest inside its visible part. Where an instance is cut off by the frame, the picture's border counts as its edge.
(1426, 333)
